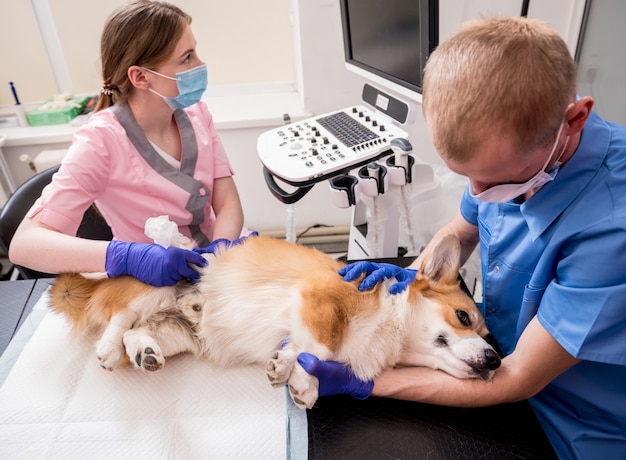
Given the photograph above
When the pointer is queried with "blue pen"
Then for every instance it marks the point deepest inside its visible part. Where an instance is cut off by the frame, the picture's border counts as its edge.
(17, 100)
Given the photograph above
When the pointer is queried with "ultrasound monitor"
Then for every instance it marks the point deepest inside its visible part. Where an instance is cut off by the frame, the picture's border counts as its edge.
(388, 42)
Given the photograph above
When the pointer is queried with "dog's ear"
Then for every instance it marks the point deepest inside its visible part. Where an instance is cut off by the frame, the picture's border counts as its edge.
(443, 261)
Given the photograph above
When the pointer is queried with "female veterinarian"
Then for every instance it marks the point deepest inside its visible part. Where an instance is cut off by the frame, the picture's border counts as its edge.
(546, 201)
(151, 149)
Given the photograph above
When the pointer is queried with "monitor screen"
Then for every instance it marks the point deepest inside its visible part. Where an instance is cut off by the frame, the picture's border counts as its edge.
(388, 41)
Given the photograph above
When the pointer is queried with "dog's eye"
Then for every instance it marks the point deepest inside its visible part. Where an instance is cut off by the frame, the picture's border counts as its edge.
(196, 307)
(463, 317)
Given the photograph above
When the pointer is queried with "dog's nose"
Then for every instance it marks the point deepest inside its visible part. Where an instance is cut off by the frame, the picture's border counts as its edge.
(492, 360)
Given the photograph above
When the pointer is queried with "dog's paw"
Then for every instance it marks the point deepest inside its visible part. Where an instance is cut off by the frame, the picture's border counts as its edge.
(303, 388)
(143, 351)
(280, 366)
(110, 356)
(149, 359)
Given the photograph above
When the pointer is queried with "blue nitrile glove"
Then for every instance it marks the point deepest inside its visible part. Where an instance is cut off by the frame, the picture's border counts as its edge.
(215, 244)
(244, 238)
(224, 243)
(335, 378)
(152, 263)
(376, 273)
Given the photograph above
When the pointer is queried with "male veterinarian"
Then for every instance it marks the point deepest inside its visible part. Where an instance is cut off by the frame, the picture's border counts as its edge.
(546, 201)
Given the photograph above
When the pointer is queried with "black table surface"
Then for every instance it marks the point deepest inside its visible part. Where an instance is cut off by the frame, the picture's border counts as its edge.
(17, 299)
(341, 427)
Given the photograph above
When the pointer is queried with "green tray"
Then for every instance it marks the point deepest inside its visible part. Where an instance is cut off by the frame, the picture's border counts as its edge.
(56, 116)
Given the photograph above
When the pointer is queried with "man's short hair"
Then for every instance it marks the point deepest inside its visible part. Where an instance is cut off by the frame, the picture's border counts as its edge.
(514, 76)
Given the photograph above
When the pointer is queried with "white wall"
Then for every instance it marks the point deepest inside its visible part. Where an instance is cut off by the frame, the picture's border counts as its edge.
(601, 68)
(237, 45)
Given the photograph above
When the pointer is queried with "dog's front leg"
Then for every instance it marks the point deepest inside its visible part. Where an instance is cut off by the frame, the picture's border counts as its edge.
(303, 387)
(283, 369)
(278, 369)
(110, 349)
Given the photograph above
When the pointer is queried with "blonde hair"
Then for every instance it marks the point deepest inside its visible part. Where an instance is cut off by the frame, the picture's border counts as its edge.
(508, 76)
(143, 33)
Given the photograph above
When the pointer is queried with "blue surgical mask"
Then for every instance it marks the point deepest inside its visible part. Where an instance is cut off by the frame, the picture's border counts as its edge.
(191, 86)
(503, 193)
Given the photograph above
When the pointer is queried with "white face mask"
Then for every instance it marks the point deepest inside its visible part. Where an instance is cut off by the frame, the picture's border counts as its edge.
(506, 192)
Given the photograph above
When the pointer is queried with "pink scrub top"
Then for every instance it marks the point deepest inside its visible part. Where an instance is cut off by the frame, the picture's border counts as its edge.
(112, 164)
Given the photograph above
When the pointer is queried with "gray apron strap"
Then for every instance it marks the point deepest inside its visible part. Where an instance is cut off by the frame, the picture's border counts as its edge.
(198, 193)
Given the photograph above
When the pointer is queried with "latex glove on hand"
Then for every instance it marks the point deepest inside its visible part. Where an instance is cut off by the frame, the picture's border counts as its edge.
(222, 243)
(152, 263)
(378, 272)
(335, 378)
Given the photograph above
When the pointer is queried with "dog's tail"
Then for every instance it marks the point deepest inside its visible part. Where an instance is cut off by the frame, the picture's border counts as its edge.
(71, 295)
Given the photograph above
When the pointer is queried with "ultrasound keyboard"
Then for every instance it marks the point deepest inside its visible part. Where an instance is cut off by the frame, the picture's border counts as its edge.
(311, 150)
(345, 128)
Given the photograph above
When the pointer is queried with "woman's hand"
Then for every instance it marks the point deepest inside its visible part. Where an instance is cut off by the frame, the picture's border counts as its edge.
(152, 263)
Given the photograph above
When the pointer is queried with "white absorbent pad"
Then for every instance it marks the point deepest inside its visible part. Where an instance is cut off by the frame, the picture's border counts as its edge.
(58, 403)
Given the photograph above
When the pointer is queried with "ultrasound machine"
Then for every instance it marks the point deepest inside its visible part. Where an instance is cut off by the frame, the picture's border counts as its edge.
(361, 151)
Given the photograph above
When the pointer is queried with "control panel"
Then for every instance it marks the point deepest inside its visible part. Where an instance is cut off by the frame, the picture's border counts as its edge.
(317, 148)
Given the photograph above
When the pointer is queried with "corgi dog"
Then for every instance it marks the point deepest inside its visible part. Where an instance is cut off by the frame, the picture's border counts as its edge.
(266, 300)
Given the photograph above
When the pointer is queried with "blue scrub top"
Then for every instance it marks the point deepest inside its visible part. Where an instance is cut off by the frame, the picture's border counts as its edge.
(561, 255)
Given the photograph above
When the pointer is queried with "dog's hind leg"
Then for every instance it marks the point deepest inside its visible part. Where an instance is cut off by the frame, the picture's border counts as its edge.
(110, 348)
(143, 350)
(163, 335)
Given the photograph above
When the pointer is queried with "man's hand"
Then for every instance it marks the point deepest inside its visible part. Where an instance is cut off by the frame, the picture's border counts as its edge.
(152, 263)
(378, 272)
(335, 378)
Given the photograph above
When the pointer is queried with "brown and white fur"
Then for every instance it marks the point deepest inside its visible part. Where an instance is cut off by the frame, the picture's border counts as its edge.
(257, 296)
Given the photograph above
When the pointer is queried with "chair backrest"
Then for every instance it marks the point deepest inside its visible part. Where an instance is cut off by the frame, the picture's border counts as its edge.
(93, 225)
